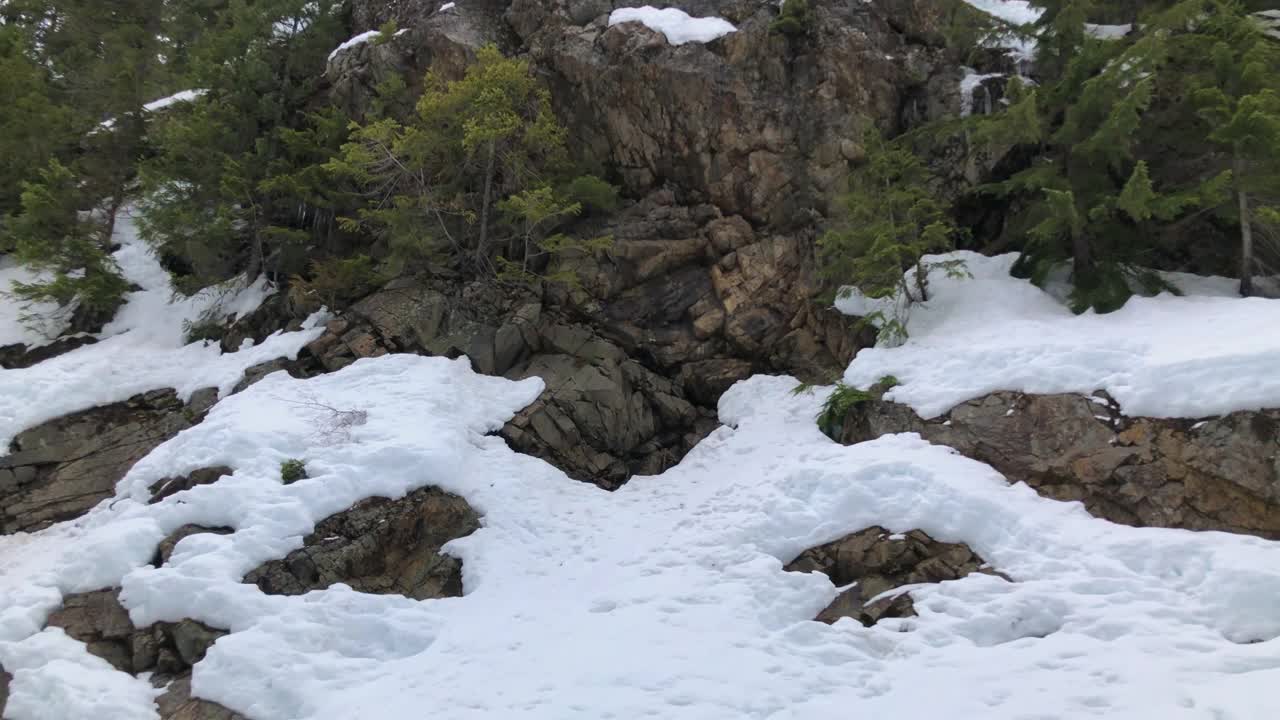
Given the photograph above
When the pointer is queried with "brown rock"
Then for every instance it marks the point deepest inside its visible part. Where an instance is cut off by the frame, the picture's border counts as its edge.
(1217, 474)
(879, 562)
(60, 469)
(379, 546)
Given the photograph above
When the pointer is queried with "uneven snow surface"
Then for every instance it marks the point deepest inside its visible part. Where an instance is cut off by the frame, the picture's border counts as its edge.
(1166, 356)
(143, 348)
(677, 25)
(665, 599)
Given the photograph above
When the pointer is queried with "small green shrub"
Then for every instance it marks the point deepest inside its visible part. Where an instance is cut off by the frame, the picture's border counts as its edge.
(886, 383)
(795, 20)
(293, 470)
(843, 399)
(334, 283)
(206, 328)
(386, 31)
(594, 194)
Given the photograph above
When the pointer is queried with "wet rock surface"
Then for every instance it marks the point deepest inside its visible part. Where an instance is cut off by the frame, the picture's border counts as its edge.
(60, 469)
(878, 562)
(1220, 473)
(379, 546)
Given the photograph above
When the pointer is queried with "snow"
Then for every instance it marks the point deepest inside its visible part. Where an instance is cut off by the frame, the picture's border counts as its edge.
(1107, 32)
(664, 599)
(969, 84)
(676, 25)
(47, 323)
(447, 6)
(1164, 356)
(360, 39)
(143, 348)
(185, 96)
(1014, 12)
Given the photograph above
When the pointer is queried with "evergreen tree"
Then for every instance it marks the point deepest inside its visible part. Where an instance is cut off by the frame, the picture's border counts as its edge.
(56, 233)
(228, 190)
(470, 176)
(1232, 74)
(892, 220)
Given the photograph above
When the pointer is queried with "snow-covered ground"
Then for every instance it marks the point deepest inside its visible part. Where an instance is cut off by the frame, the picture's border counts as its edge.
(143, 349)
(1203, 353)
(666, 598)
(678, 27)
(45, 322)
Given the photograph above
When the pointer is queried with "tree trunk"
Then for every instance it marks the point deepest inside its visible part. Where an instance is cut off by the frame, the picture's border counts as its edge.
(1246, 236)
(1081, 257)
(484, 207)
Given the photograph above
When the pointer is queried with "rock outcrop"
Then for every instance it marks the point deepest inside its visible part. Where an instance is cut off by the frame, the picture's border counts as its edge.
(757, 123)
(379, 546)
(167, 650)
(62, 468)
(5, 679)
(879, 562)
(1220, 473)
(99, 621)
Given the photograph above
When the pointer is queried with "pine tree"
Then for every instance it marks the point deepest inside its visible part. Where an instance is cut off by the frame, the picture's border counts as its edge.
(1232, 77)
(57, 232)
(229, 190)
(892, 220)
(469, 177)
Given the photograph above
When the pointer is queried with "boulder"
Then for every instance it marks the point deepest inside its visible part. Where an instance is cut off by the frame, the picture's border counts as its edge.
(1220, 473)
(379, 546)
(99, 621)
(878, 562)
(16, 356)
(60, 469)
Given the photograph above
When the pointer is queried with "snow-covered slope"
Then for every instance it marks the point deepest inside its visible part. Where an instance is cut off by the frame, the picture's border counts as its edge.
(666, 598)
(1204, 353)
(143, 349)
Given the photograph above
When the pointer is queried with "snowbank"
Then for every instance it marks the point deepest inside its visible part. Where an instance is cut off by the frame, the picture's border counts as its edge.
(1164, 356)
(664, 599)
(143, 348)
(677, 25)
(360, 39)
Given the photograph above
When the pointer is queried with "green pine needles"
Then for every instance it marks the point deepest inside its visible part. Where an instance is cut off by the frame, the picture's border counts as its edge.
(892, 220)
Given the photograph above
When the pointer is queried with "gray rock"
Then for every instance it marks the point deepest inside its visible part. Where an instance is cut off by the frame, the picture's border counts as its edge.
(192, 639)
(177, 703)
(60, 469)
(878, 562)
(99, 620)
(1221, 473)
(165, 549)
(165, 487)
(379, 546)
(5, 679)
